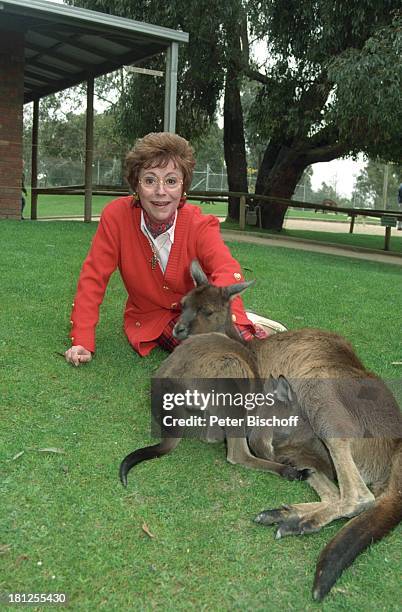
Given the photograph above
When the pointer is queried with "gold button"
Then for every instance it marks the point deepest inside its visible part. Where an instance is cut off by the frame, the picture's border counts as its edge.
(237, 275)
(72, 339)
(233, 318)
(73, 304)
(173, 305)
(71, 322)
(138, 324)
(166, 287)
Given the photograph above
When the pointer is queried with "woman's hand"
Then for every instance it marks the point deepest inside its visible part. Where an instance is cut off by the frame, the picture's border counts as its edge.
(78, 354)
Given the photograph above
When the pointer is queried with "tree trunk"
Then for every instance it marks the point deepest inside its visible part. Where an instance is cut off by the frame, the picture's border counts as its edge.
(234, 143)
(278, 175)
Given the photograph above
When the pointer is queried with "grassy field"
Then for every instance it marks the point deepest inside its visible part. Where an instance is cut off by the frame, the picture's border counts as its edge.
(57, 205)
(66, 206)
(67, 525)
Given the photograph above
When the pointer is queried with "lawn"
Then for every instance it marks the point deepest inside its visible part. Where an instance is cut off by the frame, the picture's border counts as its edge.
(358, 240)
(68, 206)
(67, 525)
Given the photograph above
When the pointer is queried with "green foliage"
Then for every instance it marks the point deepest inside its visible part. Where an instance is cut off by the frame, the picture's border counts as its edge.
(330, 85)
(62, 134)
(334, 74)
(209, 149)
(369, 187)
(62, 143)
(328, 192)
(368, 85)
(200, 74)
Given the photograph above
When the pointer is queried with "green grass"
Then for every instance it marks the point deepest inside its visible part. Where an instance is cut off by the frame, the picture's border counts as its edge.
(358, 240)
(67, 206)
(59, 205)
(71, 527)
(355, 239)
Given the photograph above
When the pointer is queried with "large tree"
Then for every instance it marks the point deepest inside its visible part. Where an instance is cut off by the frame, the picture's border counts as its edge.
(330, 85)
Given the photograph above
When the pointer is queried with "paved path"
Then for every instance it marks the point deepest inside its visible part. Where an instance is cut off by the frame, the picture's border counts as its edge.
(314, 247)
(361, 227)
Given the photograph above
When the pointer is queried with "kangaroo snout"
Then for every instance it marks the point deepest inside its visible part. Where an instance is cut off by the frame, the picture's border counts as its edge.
(180, 331)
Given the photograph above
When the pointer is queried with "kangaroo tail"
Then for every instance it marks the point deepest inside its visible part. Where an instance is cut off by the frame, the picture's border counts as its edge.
(143, 454)
(357, 535)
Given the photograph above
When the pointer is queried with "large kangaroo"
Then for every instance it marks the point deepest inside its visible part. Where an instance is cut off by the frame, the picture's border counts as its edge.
(350, 428)
(212, 356)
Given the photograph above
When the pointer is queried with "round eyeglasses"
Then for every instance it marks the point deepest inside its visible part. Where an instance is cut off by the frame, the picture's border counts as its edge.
(169, 182)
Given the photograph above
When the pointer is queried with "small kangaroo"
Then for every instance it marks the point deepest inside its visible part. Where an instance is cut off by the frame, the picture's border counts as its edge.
(350, 433)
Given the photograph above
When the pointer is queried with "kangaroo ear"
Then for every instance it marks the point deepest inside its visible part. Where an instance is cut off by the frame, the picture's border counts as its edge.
(197, 273)
(283, 390)
(230, 292)
(270, 384)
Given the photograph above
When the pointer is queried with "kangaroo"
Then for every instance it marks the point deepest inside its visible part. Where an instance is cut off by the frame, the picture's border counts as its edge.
(350, 434)
(212, 356)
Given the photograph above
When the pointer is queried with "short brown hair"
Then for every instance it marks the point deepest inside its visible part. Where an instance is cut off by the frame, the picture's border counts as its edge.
(157, 149)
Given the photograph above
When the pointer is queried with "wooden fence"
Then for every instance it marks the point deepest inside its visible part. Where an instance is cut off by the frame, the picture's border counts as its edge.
(388, 218)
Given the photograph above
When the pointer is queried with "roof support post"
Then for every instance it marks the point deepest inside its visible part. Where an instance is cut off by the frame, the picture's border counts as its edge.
(89, 146)
(169, 124)
(34, 160)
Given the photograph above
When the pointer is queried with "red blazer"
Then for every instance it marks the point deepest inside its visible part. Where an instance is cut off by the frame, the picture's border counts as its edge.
(153, 297)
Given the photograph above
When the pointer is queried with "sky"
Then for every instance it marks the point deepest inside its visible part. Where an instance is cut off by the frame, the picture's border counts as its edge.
(339, 173)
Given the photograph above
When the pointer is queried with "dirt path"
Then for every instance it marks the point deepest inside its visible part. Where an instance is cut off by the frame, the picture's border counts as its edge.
(314, 247)
(361, 227)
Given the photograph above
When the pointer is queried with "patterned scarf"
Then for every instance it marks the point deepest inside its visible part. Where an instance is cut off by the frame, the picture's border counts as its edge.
(155, 229)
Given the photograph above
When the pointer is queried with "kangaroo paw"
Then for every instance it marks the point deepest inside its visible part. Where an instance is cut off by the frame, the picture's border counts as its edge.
(296, 526)
(291, 473)
(270, 517)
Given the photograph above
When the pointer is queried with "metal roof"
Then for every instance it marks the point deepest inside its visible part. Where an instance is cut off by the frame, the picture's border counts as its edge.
(65, 45)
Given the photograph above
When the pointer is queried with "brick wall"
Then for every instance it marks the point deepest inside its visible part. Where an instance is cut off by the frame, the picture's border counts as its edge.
(11, 103)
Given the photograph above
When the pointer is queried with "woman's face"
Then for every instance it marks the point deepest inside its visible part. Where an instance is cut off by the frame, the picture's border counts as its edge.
(160, 190)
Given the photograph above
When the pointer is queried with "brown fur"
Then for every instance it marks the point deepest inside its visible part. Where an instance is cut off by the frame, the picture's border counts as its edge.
(213, 355)
(350, 431)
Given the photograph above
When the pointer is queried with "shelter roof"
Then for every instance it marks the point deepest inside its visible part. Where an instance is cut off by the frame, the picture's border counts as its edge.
(65, 45)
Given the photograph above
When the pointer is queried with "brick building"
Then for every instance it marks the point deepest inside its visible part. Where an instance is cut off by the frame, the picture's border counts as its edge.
(11, 103)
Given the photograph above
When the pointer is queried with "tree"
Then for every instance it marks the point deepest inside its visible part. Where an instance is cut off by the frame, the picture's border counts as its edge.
(330, 86)
(200, 75)
(369, 187)
(209, 149)
(305, 191)
(62, 140)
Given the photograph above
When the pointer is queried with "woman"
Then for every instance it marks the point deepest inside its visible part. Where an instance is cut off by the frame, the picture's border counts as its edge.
(152, 237)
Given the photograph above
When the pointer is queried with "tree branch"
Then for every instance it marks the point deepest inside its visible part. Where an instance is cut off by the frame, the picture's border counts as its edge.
(101, 97)
(254, 75)
(323, 137)
(245, 47)
(326, 153)
(315, 97)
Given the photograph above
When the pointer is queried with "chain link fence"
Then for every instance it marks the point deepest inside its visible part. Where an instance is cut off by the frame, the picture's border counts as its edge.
(57, 172)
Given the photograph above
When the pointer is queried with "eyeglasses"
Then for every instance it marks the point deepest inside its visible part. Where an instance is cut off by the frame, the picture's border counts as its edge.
(169, 182)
